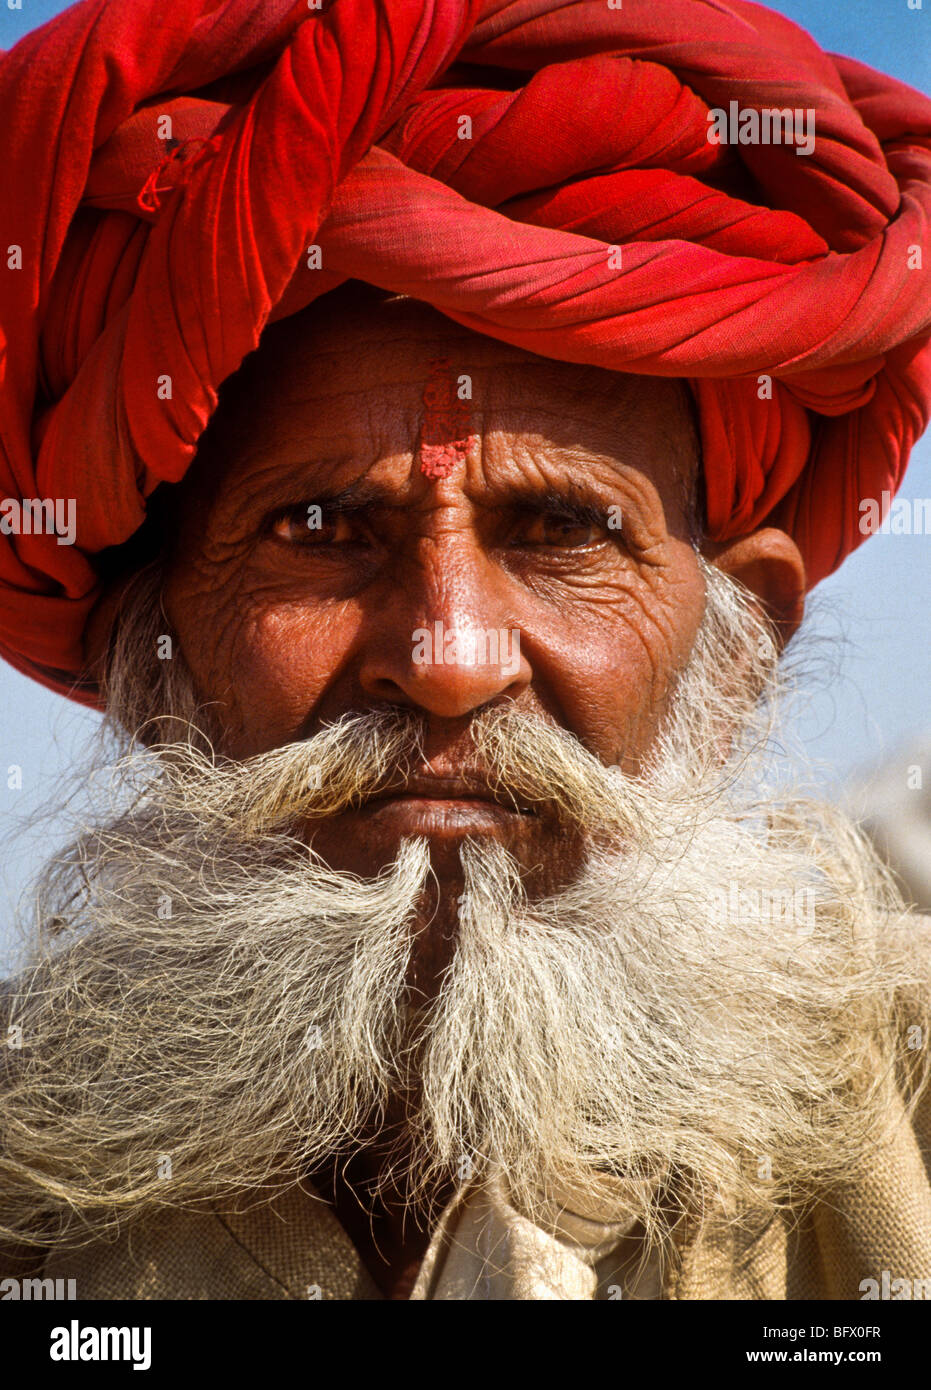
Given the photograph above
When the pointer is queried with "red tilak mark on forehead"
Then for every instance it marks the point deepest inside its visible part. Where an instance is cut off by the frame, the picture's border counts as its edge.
(445, 437)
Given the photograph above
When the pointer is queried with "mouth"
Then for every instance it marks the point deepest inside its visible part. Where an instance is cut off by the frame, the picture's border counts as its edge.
(444, 807)
(453, 790)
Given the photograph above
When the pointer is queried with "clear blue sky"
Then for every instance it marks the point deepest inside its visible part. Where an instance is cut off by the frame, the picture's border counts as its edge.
(869, 626)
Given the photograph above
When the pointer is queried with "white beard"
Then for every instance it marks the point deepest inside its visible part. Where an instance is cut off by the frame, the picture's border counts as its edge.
(214, 993)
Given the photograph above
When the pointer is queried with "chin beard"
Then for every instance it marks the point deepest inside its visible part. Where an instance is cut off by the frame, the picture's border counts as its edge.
(212, 1009)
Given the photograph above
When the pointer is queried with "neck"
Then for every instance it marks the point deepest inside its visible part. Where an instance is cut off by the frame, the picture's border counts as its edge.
(390, 1231)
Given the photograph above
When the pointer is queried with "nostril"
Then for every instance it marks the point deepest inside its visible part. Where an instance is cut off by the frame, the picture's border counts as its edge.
(385, 689)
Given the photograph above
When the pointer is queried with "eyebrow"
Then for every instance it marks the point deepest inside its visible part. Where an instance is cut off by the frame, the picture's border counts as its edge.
(584, 501)
(354, 497)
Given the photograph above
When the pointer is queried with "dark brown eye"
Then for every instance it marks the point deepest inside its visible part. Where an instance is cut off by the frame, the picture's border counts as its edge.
(309, 526)
(559, 531)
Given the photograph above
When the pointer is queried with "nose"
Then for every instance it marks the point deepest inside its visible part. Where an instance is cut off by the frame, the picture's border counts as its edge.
(446, 647)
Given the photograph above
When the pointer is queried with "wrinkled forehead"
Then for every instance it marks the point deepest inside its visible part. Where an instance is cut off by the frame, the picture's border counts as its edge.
(355, 375)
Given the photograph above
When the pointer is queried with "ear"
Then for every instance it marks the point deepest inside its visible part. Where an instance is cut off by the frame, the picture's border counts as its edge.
(770, 565)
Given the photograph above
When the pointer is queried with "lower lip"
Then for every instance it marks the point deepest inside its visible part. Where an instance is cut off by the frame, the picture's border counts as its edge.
(440, 816)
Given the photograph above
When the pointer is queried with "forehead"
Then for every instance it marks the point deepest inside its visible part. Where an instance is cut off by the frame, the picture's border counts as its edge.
(341, 389)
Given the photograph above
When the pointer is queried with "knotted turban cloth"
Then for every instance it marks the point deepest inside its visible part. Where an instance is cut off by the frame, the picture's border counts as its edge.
(153, 248)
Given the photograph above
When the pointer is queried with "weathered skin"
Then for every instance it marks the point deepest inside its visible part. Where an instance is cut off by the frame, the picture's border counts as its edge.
(290, 627)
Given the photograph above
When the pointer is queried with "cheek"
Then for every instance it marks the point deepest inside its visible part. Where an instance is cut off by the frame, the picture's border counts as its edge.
(264, 659)
(282, 659)
(611, 666)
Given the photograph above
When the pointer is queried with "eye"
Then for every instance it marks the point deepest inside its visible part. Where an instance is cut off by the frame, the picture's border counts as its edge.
(560, 530)
(308, 525)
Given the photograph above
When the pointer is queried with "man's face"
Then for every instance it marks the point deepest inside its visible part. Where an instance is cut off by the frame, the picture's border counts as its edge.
(635, 1012)
(559, 542)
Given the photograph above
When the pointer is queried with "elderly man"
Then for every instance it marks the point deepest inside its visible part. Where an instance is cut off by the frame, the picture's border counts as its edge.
(448, 936)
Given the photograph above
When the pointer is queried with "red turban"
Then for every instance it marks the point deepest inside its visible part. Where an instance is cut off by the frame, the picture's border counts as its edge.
(166, 168)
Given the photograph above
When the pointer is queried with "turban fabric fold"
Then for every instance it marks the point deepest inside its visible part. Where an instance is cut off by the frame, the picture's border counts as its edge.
(167, 166)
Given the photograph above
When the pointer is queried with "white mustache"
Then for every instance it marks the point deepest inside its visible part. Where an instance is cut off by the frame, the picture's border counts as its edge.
(533, 762)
